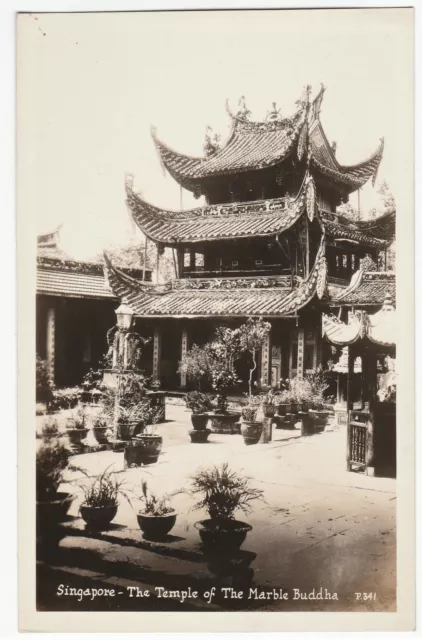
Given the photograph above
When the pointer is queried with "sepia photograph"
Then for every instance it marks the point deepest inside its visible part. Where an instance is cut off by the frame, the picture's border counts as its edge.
(216, 315)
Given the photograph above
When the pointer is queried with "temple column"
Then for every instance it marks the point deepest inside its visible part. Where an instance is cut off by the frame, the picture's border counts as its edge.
(300, 353)
(156, 356)
(184, 350)
(51, 341)
(265, 362)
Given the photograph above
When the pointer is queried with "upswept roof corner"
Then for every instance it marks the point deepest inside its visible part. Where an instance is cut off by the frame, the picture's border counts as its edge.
(368, 288)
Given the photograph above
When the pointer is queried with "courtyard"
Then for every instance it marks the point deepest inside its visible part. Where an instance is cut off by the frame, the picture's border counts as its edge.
(323, 537)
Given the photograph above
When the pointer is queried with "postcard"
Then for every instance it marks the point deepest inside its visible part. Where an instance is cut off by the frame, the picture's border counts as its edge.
(216, 347)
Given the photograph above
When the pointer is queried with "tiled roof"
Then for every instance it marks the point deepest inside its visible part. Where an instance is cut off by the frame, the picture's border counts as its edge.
(383, 227)
(215, 222)
(56, 282)
(250, 146)
(350, 232)
(368, 288)
(150, 300)
(74, 279)
(351, 177)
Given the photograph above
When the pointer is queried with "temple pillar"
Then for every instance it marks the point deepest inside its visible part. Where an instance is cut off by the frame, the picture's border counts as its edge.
(156, 356)
(51, 341)
(184, 350)
(300, 353)
(265, 362)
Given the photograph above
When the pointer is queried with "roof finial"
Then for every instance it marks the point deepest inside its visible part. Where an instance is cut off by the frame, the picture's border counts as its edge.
(243, 111)
(334, 147)
(388, 303)
(274, 114)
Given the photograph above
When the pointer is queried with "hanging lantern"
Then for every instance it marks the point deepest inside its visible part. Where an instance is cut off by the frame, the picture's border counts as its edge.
(124, 317)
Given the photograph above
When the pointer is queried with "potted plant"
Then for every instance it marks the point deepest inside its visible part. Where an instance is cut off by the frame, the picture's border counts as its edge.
(251, 427)
(131, 420)
(50, 428)
(101, 498)
(268, 405)
(221, 492)
(145, 448)
(282, 398)
(200, 404)
(76, 427)
(52, 505)
(318, 413)
(101, 427)
(157, 517)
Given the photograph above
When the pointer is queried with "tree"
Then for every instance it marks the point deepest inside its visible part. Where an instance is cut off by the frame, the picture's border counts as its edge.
(387, 197)
(348, 211)
(252, 336)
(131, 256)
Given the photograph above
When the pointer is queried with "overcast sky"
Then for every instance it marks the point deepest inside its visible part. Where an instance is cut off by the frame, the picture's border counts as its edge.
(91, 85)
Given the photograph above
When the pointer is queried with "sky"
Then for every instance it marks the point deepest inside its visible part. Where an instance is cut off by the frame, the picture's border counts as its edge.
(91, 85)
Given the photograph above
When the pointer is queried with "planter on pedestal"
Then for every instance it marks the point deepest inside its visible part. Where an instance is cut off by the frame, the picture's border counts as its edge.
(199, 436)
(319, 419)
(269, 410)
(76, 436)
(251, 432)
(142, 450)
(100, 434)
(128, 430)
(225, 422)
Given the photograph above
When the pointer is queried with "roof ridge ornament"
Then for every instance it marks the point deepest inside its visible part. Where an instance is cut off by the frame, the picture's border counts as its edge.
(243, 112)
(274, 113)
(212, 142)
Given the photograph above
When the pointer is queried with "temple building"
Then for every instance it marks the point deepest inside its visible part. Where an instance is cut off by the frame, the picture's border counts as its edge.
(268, 242)
(74, 309)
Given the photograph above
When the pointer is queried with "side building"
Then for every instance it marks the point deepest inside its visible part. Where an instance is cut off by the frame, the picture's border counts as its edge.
(74, 309)
(268, 243)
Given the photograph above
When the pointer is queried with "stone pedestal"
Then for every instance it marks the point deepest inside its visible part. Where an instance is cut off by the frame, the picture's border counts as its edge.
(267, 431)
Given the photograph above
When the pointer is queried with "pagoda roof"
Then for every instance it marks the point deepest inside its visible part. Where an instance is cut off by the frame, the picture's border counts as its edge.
(148, 300)
(367, 288)
(240, 220)
(216, 222)
(255, 145)
(250, 146)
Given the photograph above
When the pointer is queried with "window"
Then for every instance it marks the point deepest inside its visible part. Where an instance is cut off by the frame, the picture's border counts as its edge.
(186, 259)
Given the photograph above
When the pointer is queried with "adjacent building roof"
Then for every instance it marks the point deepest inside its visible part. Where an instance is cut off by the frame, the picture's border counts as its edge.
(368, 288)
(59, 275)
(148, 300)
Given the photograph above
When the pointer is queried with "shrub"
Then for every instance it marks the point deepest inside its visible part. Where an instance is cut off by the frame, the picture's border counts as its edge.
(102, 490)
(44, 384)
(77, 419)
(198, 402)
(153, 504)
(51, 460)
(222, 491)
(50, 428)
(65, 398)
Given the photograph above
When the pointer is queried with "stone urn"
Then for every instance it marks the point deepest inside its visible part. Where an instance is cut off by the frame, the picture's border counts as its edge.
(251, 432)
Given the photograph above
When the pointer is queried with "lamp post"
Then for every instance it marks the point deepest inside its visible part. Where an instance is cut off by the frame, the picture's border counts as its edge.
(124, 315)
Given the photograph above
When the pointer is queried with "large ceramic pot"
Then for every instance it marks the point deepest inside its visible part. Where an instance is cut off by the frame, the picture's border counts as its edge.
(128, 430)
(199, 437)
(225, 422)
(222, 535)
(199, 421)
(49, 514)
(269, 410)
(156, 527)
(98, 518)
(76, 436)
(143, 450)
(251, 432)
(100, 434)
(294, 408)
(319, 419)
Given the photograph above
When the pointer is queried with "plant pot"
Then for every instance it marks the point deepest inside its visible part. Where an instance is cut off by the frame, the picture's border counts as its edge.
(282, 409)
(100, 434)
(156, 527)
(223, 536)
(304, 406)
(50, 512)
(200, 436)
(76, 436)
(128, 430)
(269, 410)
(319, 419)
(248, 414)
(143, 450)
(294, 407)
(225, 422)
(199, 421)
(98, 518)
(251, 432)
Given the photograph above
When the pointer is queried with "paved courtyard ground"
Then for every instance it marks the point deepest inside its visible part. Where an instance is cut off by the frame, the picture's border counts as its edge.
(320, 527)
